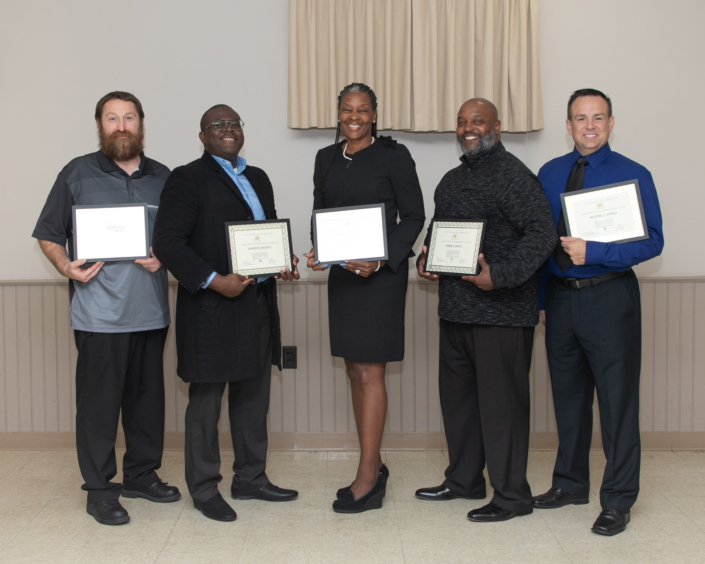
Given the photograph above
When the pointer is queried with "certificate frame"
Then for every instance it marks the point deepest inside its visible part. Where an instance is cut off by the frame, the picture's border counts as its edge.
(567, 204)
(432, 267)
(78, 232)
(314, 227)
(233, 228)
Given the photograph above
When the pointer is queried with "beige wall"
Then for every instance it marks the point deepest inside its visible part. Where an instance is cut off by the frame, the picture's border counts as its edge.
(180, 57)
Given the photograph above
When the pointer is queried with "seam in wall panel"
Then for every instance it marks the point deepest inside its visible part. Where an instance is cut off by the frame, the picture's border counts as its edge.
(308, 362)
(692, 348)
(680, 352)
(4, 362)
(653, 361)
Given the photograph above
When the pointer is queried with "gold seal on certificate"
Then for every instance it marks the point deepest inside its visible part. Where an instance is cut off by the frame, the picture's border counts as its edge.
(455, 247)
(110, 232)
(606, 214)
(259, 248)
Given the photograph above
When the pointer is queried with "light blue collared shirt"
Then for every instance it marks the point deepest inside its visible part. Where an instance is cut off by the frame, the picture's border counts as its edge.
(247, 191)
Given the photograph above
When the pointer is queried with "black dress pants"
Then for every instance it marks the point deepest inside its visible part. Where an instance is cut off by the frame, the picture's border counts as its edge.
(484, 389)
(593, 341)
(119, 371)
(248, 404)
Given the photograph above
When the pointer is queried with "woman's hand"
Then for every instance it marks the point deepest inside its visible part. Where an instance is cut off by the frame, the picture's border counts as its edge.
(311, 262)
(363, 268)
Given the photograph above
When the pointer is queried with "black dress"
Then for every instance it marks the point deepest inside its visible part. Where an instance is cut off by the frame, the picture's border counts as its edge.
(366, 315)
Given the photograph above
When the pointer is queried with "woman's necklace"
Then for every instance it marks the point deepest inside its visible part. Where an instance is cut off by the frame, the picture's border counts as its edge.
(345, 151)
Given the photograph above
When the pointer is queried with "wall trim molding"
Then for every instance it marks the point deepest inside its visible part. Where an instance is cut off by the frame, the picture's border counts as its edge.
(650, 440)
(324, 280)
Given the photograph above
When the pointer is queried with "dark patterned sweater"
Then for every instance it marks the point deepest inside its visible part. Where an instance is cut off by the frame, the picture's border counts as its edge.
(497, 187)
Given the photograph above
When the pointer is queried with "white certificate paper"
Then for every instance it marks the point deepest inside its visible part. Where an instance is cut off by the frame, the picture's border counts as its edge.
(454, 247)
(259, 248)
(110, 233)
(353, 233)
(606, 214)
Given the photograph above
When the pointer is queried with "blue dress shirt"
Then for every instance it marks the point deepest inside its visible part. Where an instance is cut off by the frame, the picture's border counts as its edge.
(604, 167)
(247, 191)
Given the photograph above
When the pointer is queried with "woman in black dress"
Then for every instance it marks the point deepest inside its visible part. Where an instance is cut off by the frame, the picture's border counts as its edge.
(366, 299)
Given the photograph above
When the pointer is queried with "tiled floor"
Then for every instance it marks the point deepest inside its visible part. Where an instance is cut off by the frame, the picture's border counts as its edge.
(43, 518)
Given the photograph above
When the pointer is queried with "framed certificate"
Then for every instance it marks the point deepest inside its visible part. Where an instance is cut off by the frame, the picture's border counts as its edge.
(259, 248)
(607, 214)
(455, 247)
(352, 233)
(110, 232)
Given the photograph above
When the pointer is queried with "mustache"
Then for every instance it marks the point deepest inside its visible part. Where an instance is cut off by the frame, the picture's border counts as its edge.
(121, 145)
(484, 144)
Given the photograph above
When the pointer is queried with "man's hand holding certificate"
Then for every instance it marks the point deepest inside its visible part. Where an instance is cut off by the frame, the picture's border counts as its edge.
(606, 214)
(111, 232)
(454, 248)
(260, 248)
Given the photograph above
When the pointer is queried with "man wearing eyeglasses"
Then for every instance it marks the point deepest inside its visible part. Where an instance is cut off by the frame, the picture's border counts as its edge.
(227, 325)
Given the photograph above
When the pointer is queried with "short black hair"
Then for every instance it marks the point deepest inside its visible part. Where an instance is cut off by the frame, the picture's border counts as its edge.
(209, 110)
(118, 95)
(589, 92)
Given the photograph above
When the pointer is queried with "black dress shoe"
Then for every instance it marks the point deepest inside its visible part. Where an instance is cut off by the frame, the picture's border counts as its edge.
(158, 491)
(492, 513)
(108, 512)
(268, 492)
(216, 508)
(442, 493)
(384, 472)
(611, 522)
(371, 500)
(556, 497)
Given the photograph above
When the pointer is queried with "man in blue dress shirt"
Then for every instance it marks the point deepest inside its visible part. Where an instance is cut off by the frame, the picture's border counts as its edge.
(227, 325)
(591, 307)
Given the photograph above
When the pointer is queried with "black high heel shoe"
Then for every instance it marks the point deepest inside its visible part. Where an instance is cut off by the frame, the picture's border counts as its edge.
(383, 470)
(371, 500)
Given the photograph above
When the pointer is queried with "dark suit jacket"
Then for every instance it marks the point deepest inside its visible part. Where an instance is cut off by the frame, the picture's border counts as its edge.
(216, 340)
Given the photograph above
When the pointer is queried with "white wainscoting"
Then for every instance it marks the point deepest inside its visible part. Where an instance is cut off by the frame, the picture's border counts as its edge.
(38, 356)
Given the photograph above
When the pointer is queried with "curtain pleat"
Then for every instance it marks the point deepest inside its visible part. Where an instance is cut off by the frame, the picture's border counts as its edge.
(423, 58)
(335, 42)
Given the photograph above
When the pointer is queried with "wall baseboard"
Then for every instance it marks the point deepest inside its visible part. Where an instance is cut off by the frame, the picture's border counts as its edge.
(679, 440)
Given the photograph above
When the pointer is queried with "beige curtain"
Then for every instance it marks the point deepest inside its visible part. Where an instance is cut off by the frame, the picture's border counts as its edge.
(475, 48)
(423, 58)
(335, 42)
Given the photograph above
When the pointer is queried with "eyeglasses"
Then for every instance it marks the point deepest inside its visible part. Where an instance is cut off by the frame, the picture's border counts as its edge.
(221, 124)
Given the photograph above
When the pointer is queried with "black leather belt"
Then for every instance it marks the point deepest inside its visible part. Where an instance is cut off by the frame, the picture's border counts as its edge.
(579, 283)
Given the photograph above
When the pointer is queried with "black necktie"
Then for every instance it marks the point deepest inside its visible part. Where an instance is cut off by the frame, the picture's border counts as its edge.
(575, 182)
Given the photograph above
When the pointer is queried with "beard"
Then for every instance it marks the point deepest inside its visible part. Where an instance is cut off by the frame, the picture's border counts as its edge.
(484, 144)
(121, 145)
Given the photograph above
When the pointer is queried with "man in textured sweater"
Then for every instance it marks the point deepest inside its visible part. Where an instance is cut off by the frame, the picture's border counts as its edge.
(488, 320)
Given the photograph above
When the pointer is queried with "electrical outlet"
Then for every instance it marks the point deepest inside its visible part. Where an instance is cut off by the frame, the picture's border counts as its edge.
(289, 357)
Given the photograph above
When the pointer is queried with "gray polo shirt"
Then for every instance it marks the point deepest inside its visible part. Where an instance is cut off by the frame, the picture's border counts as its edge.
(123, 297)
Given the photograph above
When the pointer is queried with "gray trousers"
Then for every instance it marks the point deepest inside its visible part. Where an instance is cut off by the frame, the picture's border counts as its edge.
(248, 404)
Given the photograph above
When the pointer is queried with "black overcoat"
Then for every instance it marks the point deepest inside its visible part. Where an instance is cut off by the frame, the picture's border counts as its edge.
(216, 337)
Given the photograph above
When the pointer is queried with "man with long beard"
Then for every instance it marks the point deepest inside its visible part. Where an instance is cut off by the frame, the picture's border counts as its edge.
(119, 313)
(487, 321)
